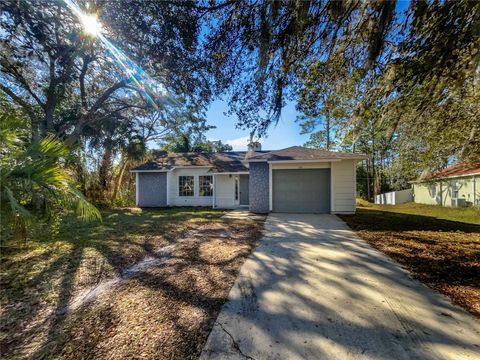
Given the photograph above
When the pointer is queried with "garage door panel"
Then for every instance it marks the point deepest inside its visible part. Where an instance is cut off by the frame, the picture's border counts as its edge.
(301, 190)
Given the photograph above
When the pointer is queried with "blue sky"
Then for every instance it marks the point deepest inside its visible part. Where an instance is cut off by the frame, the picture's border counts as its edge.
(286, 133)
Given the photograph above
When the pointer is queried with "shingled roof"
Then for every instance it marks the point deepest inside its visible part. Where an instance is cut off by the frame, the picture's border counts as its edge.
(303, 153)
(218, 161)
(452, 171)
(234, 161)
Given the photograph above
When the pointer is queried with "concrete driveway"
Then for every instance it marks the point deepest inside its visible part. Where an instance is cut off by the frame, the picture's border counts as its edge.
(314, 290)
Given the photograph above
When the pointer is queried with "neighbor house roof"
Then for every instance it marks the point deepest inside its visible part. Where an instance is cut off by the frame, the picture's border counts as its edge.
(456, 170)
(218, 161)
(303, 153)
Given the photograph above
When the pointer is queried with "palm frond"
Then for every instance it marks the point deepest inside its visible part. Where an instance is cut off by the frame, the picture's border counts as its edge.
(50, 146)
(16, 208)
(40, 174)
(13, 131)
(84, 210)
(35, 175)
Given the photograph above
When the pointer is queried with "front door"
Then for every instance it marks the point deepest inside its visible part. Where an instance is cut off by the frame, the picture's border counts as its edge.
(244, 199)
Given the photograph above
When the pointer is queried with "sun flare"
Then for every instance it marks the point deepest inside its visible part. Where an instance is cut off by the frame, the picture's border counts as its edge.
(91, 25)
(151, 89)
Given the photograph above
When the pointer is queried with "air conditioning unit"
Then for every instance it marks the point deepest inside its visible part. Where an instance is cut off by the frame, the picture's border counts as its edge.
(459, 203)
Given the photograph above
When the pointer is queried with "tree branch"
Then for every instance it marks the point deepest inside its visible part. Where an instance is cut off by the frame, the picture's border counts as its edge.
(49, 106)
(86, 118)
(11, 70)
(25, 105)
(86, 61)
(201, 8)
(105, 97)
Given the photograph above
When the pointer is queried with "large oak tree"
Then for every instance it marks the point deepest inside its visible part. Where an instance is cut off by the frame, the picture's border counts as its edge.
(68, 81)
(411, 65)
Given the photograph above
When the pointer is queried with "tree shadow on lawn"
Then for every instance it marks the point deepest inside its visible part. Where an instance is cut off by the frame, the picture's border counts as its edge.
(443, 254)
(183, 284)
(278, 301)
(122, 239)
(366, 219)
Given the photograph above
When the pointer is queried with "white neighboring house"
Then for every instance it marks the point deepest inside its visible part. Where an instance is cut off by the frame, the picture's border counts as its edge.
(295, 179)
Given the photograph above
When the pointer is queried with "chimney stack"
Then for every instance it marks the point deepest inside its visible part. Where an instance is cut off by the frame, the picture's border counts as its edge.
(254, 146)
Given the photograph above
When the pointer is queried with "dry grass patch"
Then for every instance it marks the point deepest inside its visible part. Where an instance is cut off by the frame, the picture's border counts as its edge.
(163, 311)
(442, 253)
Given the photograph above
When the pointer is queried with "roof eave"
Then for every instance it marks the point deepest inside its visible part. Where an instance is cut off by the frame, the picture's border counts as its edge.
(445, 177)
(330, 159)
(230, 173)
(303, 161)
(254, 160)
(155, 170)
(173, 168)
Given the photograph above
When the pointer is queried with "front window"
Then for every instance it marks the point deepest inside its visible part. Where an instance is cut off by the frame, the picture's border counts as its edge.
(433, 191)
(185, 185)
(205, 185)
(454, 190)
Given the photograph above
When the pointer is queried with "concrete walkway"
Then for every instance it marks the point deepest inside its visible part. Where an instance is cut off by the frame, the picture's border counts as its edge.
(242, 214)
(313, 290)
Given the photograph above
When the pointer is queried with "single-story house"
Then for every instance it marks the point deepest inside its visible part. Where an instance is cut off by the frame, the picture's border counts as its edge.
(457, 186)
(295, 179)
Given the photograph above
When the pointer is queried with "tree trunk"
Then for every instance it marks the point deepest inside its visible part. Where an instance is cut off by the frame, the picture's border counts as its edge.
(381, 167)
(74, 136)
(104, 171)
(36, 133)
(49, 128)
(327, 130)
(368, 180)
(118, 180)
(378, 184)
(374, 170)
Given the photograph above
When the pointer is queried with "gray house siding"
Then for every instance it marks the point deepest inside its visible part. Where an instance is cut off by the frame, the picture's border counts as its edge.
(152, 189)
(259, 187)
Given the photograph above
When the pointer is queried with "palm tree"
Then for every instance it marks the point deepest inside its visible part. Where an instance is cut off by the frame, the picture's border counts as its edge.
(34, 184)
(135, 150)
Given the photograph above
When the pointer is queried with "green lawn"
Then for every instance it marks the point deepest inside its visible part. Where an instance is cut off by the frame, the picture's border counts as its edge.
(162, 312)
(470, 215)
(440, 246)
